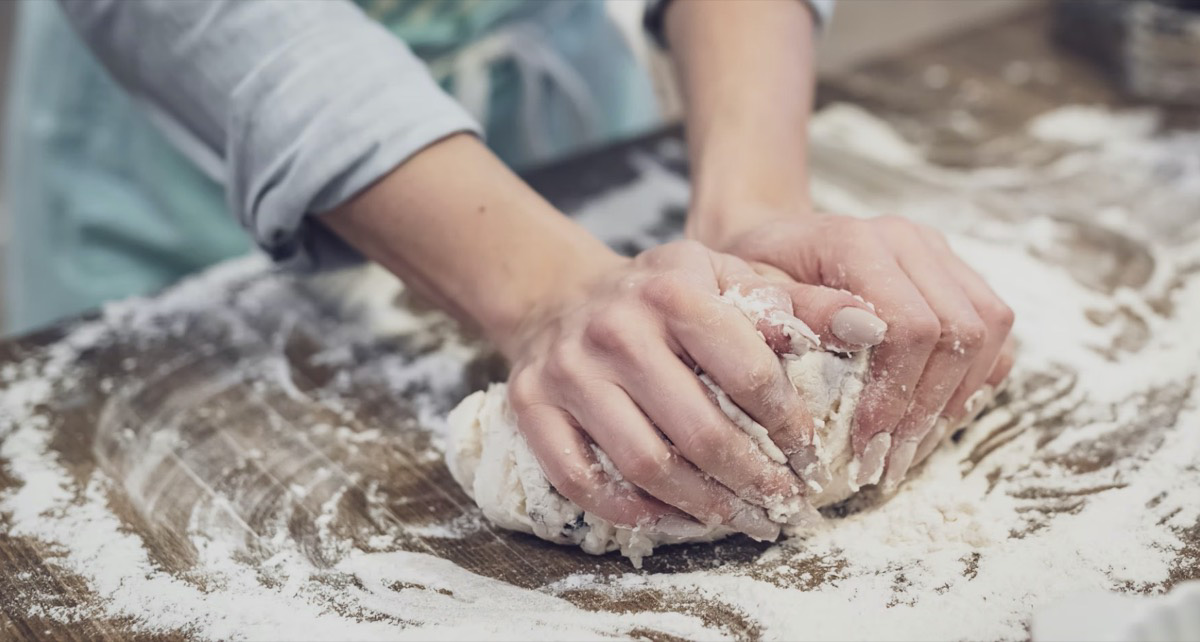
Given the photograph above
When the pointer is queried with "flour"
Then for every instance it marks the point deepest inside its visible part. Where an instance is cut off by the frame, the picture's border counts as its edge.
(1083, 477)
(1082, 125)
(492, 462)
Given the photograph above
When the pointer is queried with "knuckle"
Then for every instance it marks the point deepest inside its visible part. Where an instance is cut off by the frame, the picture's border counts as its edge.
(522, 390)
(935, 236)
(1000, 314)
(758, 379)
(964, 337)
(563, 362)
(688, 246)
(610, 331)
(667, 293)
(643, 469)
(775, 483)
(702, 442)
(924, 330)
(897, 223)
(675, 252)
(851, 227)
(574, 482)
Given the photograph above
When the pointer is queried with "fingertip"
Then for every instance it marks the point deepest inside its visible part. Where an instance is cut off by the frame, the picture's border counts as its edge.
(931, 440)
(754, 522)
(898, 464)
(863, 429)
(1004, 363)
(680, 526)
(857, 326)
(845, 322)
(872, 460)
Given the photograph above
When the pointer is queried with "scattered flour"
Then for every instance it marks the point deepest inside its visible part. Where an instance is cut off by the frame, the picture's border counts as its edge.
(1083, 125)
(1084, 478)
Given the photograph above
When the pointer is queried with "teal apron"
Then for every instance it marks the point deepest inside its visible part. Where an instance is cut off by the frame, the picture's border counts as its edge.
(102, 207)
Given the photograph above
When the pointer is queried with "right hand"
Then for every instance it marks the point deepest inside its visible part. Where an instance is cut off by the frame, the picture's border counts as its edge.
(610, 359)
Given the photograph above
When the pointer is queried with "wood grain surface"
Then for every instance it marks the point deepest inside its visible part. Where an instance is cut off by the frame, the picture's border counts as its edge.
(230, 420)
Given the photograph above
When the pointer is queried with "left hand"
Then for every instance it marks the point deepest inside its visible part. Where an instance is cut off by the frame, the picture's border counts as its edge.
(946, 329)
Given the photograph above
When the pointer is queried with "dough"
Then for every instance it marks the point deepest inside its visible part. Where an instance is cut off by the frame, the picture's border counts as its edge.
(491, 461)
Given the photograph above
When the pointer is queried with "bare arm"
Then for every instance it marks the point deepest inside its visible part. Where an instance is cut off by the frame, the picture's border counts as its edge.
(747, 72)
(597, 341)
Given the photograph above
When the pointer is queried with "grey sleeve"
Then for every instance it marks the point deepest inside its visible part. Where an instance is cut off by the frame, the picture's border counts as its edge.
(656, 11)
(294, 106)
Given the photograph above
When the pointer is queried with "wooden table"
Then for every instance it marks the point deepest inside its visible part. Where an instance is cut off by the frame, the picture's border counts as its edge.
(254, 408)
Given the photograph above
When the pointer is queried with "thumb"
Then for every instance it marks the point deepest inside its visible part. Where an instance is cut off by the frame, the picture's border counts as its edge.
(844, 322)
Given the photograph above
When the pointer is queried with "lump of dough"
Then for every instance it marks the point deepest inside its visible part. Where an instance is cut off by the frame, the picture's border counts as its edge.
(491, 461)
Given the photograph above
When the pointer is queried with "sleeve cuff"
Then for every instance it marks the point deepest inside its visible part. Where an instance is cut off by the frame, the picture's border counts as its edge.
(334, 117)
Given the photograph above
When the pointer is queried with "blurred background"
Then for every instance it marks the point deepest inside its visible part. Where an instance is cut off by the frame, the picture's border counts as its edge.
(6, 28)
(863, 30)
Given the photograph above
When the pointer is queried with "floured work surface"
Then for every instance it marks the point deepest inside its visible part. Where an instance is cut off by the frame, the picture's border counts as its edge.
(236, 459)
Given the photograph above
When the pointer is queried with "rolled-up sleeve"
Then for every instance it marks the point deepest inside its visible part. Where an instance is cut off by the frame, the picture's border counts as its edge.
(295, 106)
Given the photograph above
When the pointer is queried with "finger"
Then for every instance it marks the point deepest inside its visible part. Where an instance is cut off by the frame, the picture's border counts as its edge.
(844, 322)
(1004, 362)
(719, 338)
(942, 428)
(962, 336)
(996, 316)
(650, 369)
(897, 362)
(857, 259)
(932, 440)
(766, 303)
(622, 431)
(737, 452)
(572, 468)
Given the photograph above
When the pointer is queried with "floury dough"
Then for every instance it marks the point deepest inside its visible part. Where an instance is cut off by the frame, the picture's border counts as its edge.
(491, 461)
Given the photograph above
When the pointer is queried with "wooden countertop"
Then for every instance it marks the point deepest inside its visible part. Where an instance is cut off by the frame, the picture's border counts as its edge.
(242, 387)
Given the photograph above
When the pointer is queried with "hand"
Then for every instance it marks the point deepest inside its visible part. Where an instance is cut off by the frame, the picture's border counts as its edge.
(946, 329)
(602, 346)
(611, 360)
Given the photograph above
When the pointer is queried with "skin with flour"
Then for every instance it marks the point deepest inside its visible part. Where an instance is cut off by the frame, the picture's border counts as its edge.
(490, 459)
(603, 347)
(946, 327)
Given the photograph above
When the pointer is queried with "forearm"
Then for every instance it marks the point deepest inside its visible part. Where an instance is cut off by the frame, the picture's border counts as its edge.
(460, 228)
(747, 76)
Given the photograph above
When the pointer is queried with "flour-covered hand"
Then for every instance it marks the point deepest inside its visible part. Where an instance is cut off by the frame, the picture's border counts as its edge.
(611, 360)
(946, 329)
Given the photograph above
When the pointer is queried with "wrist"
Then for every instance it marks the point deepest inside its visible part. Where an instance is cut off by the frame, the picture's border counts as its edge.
(719, 214)
(511, 315)
(744, 176)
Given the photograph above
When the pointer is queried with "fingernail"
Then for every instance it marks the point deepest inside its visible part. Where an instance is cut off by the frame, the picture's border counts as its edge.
(978, 401)
(806, 517)
(871, 462)
(898, 463)
(753, 522)
(856, 326)
(681, 527)
(932, 440)
(810, 468)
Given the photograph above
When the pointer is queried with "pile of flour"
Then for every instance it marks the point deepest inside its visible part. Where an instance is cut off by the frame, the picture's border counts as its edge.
(1083, 478)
